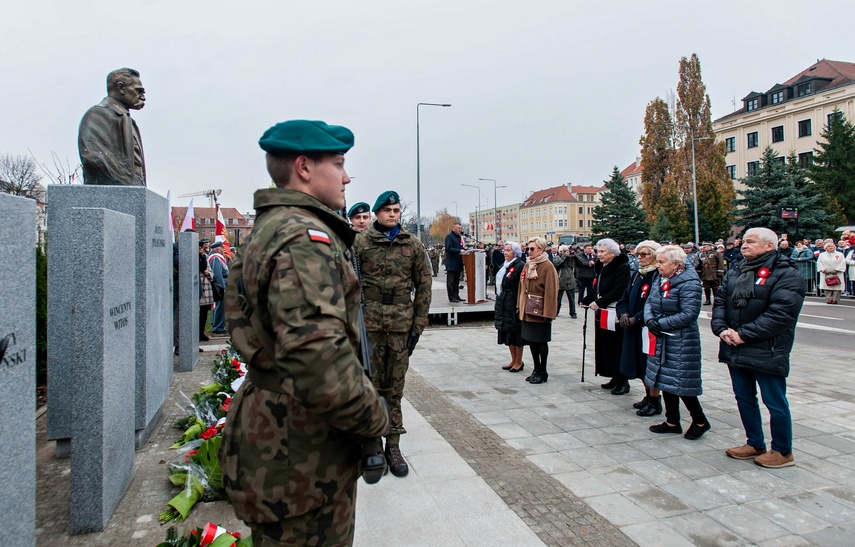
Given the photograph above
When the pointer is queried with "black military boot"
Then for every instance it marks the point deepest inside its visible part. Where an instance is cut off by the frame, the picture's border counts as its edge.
(397, 464)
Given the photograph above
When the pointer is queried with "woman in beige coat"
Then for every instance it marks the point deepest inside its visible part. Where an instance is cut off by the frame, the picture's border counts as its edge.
(831, 264)
(538, 279)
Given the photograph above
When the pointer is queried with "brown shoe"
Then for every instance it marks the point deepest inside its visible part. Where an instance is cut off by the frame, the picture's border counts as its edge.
(744, 452)
(774, 460)
(397, 465)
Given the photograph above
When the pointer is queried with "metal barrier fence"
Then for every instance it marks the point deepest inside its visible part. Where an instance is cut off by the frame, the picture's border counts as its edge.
(808, 271)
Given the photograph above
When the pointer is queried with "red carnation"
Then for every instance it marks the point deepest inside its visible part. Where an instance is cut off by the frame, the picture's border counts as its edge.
(210, 432)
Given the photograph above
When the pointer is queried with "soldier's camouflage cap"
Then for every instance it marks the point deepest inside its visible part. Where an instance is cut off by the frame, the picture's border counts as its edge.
(358, 208)
(301, 136)
(389, 197)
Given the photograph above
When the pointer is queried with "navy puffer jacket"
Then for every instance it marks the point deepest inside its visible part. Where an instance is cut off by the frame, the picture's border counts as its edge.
(767, 324)
(676, 366)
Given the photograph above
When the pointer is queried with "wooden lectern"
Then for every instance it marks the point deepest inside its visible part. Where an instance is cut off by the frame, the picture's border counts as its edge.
(474, 264)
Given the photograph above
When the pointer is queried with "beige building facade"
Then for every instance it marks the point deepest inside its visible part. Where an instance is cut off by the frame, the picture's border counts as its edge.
(788, 117)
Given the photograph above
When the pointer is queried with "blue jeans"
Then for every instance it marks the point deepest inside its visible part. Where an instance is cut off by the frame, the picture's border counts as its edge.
(773, 389)
(218, 319)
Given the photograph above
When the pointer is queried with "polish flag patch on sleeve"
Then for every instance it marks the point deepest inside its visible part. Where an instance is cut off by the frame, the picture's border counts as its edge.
(648, 342)
(607, 319)
(317, 235)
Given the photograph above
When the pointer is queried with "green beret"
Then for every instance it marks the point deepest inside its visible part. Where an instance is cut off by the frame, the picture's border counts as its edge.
(305, 136)
(358, 209)
(389, 197)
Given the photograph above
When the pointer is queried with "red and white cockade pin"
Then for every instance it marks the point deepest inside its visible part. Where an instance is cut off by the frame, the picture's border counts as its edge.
(762, 274)
(644, 289)
(510, 271)
(665, 288)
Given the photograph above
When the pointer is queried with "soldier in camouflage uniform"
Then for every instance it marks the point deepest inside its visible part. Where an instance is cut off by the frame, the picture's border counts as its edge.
(360, 216)
(393, 263)
(433, 255)
(291, 444)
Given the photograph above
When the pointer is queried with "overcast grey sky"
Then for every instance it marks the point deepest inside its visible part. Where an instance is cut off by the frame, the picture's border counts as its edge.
(543, 92)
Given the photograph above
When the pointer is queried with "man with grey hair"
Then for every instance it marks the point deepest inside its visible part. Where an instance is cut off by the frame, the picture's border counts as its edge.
(566, 267)
(108, 141)
(754, 314)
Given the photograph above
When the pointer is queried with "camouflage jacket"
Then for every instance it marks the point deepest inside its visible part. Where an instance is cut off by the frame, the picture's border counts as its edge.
(390, 272)
(292, 432)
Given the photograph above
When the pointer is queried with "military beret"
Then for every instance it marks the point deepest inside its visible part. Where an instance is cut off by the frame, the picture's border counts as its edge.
(389, 197)
(216, 244)
(302, 136)
(358, 208)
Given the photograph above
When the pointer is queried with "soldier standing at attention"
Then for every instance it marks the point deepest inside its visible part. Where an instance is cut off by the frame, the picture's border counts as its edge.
(291, 444)
(360, 216)
(393, 262)
(433, 255)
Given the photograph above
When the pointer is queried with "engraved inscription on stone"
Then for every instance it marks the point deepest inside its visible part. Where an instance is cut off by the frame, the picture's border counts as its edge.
(158, 241)
(10, 357)
(119, 315)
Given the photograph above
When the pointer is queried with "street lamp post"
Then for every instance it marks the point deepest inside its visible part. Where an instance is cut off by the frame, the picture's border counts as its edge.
(455, 210)
(695, 185)
(496, 209)
(476, 208)
(419, 170)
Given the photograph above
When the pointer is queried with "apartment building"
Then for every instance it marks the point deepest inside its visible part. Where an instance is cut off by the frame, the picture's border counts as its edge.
(632, 175)
(492, 228)
(238, 225)
(788, 116)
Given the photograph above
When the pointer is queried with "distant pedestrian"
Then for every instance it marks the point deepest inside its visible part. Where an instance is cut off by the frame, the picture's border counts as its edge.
(585, 273)
(754, 315)
(830, 265)
(566, 267)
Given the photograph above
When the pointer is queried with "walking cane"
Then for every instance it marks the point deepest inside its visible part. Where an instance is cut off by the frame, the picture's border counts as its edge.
(584, 341)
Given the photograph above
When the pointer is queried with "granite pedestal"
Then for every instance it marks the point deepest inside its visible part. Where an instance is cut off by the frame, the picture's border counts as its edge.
(18, 369)
(152, 277)
(102, 367)
(188, 301)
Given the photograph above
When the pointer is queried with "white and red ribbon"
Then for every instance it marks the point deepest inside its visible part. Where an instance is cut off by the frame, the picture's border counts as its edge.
(644, 289)
(762, 274)
(665, 288)
(210, 532)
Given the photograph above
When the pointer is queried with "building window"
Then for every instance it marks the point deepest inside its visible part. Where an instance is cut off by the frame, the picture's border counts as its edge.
(778, 97)
(804, 128)
(730, 143)
(752, 104)
(805, 159)
(731, 171)
(778, 133)
(753, 166)
(581, 210)
(581, 224)
(590, 223)
(753, 139)
(830, 117)
(781, 159)
(804, 89)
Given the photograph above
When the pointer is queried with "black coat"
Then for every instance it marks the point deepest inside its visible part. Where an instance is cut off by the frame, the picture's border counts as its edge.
(453, 260)
(767, 323)
(633, 361)
(507, 319)
(612, 280)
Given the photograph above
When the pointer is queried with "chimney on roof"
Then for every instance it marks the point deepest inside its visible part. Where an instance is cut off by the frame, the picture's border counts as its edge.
(637, 162)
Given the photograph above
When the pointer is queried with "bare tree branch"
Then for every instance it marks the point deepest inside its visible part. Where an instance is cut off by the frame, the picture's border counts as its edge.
(18, 176)
(60, 174)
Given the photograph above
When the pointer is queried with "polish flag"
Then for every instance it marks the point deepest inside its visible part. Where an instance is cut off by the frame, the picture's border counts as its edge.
(648, 342)
(221, 234)
(607, 319)
(189, 222)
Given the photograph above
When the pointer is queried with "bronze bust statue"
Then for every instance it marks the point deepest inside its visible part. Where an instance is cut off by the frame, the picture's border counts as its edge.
(109, 141)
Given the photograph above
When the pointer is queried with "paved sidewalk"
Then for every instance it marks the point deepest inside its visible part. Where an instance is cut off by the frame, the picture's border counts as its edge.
(495, 460)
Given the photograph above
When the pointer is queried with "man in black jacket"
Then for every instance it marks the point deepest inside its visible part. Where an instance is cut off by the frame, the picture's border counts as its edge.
(453, 263)
(585, 273)
(754, 315)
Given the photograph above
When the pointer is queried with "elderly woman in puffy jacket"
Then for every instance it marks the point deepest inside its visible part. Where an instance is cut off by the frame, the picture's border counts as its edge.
(671, 313)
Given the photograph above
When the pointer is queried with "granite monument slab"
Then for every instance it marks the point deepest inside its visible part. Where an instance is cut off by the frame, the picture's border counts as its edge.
(188, 301)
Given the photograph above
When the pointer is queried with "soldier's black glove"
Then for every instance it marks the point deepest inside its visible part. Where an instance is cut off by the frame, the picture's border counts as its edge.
(654, 327)
(412, 340)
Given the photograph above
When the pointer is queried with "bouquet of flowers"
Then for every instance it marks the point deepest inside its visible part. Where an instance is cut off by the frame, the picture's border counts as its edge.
(209, 535)
(199, 475)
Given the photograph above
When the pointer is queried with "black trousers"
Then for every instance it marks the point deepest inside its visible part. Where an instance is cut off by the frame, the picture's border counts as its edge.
(672, 408)
(585, 286)
(571, 297)
(452, 285)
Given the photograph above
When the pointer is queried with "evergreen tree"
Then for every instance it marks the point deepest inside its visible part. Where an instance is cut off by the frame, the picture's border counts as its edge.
(661, 230)
(675, 210)
(814, 219)
(619, 216)
(656, 150)
(833, 167)
(773, 185)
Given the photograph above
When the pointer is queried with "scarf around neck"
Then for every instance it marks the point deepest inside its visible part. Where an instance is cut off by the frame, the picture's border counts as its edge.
(743, 288)
(531, 265)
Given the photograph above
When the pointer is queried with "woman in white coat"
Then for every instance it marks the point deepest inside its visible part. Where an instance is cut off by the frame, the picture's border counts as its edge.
(830, 266)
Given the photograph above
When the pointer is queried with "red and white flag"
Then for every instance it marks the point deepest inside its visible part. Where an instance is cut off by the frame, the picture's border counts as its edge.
(648, 341)
(607, 319)
(222, 234)
(189, 222)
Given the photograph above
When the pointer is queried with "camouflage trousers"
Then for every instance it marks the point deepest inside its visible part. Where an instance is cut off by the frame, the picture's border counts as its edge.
(389, 364)
(331, 525)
